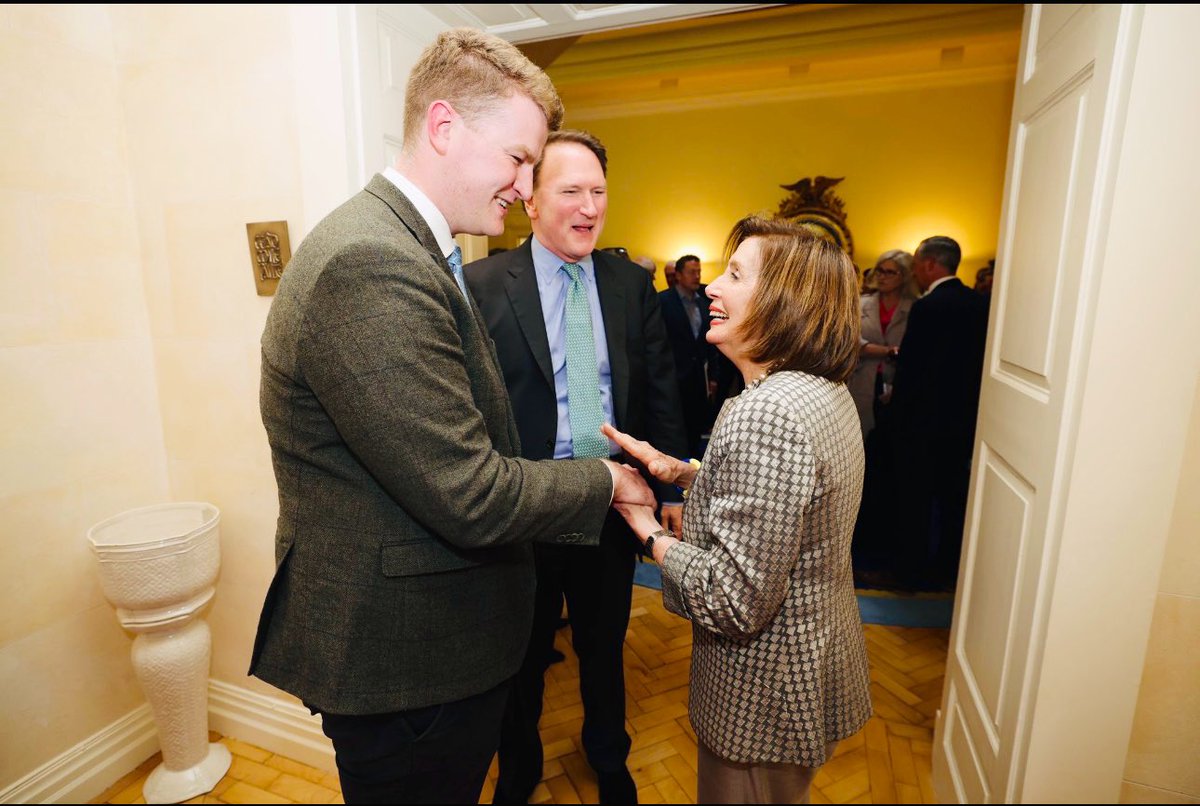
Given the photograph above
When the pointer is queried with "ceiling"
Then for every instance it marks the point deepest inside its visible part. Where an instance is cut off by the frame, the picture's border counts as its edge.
(619, 60)
(778, 53)
(518, 22)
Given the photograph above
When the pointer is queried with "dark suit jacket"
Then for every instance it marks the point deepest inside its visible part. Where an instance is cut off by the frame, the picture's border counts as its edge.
(400, 580)
(691, 352)
(645, 397)
(936, 396)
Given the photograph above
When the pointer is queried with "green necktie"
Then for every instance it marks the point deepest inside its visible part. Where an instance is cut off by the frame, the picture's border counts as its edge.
(583, 380)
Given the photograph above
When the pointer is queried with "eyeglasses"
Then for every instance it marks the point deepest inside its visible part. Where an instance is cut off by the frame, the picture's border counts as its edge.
(892, 272)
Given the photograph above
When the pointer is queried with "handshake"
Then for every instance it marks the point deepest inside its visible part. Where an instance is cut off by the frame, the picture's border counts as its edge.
(632, 497)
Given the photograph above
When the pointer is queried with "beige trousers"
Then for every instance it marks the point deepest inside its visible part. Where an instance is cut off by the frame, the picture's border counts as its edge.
(721, 781)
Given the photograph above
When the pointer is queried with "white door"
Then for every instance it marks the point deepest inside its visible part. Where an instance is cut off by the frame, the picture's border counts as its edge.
(1069, 113)
(384, 42)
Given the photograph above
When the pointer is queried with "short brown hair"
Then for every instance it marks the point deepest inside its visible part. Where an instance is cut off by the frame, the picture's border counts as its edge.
(804, 314)
(585, 139)
(474, 71)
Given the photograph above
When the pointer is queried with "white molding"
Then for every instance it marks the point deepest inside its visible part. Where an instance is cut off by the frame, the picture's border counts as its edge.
(549, 21)
(87, 769)
(272, 724)
(579, 111)
(93, 765)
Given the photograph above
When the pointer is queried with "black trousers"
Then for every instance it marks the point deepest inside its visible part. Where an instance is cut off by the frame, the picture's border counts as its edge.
(932, 513)
(438, 754)
(597, 582)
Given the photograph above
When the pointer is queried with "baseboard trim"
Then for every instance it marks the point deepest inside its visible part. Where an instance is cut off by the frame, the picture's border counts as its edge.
(281, 727)
(93, 765)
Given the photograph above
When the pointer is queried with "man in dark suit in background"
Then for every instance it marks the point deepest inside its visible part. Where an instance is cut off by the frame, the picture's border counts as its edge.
(403, 590)
(932, 414)
(580, 338)
(685, 313)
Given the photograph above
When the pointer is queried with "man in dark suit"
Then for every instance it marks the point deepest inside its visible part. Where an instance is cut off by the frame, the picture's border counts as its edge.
(685, 314)
(403, 591)
(568, 320)
(934, 404)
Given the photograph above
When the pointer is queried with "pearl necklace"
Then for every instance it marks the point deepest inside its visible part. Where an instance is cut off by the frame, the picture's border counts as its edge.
(754, 384)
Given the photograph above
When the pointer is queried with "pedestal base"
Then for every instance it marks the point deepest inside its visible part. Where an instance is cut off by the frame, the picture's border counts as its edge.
(176, 786)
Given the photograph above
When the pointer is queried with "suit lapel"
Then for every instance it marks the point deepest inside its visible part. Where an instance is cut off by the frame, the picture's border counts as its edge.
(390, 195)
(522, 290)
(414, 222)
(612, 310)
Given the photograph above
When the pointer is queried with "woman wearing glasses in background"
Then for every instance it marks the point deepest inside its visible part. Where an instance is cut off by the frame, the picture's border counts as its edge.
(884, 316)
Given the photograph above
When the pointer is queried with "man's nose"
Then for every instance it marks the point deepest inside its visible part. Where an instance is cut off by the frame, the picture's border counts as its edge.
(524, 184)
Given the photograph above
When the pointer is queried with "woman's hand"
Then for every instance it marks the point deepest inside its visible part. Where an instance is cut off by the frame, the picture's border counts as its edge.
(664, 468)
(641, 521)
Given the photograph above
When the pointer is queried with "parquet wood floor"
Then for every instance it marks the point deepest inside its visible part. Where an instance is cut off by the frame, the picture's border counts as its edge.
(887, 762)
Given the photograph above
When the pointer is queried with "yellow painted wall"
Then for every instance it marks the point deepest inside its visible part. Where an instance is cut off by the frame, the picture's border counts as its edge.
(916, 163)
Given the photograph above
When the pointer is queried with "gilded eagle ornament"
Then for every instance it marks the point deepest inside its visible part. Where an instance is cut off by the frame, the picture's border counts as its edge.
(814, 206)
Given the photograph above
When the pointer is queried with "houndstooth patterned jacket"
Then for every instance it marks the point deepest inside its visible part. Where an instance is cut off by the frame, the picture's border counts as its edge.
(779, 665)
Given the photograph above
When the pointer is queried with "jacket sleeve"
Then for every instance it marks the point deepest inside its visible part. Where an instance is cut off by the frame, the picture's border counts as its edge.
(382, 352)
(756, 499)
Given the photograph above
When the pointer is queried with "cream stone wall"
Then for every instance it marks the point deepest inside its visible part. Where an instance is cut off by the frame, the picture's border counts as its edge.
(1163, 750)
(207, 101)
(82, 437)
(138, 142)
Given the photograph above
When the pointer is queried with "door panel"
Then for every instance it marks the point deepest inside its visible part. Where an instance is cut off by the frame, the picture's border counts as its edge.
(1060, 152)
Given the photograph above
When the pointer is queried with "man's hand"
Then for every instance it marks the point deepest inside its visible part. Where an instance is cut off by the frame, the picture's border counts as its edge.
(672, 518)
(628, 485)
(664, 468)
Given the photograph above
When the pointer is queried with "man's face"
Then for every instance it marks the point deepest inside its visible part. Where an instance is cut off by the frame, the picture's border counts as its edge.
(493, 158)
(569, 203)
(669, 274)
(922, 271)
(687, 276)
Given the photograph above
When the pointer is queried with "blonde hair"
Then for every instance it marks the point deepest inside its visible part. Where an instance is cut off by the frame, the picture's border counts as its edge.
(804, 314)
(474, 71)
(908, 286)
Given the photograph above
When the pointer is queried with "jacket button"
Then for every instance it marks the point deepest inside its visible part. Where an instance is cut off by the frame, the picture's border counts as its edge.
(549, 444)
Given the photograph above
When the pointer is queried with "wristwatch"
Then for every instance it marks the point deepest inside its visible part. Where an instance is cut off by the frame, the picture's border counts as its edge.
(648, 546)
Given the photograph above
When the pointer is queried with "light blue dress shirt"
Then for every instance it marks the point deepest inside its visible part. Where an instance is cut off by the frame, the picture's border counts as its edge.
(552, 289)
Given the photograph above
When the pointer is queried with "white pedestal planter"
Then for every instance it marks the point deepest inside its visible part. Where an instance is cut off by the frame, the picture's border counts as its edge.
(158, 566)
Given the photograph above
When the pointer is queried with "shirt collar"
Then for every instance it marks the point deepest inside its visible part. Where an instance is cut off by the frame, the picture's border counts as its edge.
(547, 264)
(428, 210)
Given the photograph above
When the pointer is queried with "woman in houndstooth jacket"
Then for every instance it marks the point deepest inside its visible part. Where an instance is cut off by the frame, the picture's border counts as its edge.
(762, 569)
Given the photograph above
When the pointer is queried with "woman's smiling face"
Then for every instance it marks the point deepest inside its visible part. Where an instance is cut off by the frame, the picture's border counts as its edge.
(731, 296)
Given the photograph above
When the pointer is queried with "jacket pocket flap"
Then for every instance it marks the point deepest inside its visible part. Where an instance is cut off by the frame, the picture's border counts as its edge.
(424, 557)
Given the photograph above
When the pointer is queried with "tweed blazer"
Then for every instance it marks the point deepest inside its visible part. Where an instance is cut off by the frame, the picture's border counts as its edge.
(862, 382)
(779, 664)
(402, 580)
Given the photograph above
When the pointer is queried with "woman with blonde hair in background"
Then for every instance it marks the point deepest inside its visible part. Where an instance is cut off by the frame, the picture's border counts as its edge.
(762, 568)
(884, 314)
(884, 320)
